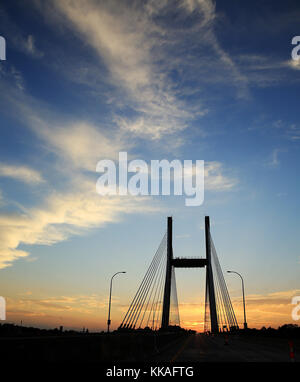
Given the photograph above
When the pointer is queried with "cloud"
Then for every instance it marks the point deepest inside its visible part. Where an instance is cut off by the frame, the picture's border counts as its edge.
(16, 36)
(293, 64)
(21, 173)
(64, 214)
(77, 208)
(207, 7)
(267, 70)
(266, 309)
(215, 179)
(274, 160)
(10, 73)
(285, 295)
(29, 46)
(73, 212)
(70, 205)
(72, 311)
(80, 143)
(137, 45)
(282, 129)
(131, 41)
(75, 303)
(124, 50)
(124, 37)
(271, 309)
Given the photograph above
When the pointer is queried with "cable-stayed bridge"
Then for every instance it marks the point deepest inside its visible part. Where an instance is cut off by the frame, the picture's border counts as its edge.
(155, 304)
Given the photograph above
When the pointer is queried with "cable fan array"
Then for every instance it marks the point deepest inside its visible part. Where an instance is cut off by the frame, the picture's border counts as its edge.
(225, 312)
(145, 309)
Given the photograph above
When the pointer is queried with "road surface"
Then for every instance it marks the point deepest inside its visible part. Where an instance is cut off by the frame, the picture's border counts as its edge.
(233, 348)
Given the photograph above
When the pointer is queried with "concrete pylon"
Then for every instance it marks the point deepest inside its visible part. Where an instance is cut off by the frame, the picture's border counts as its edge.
(210, 280)
(167, 290)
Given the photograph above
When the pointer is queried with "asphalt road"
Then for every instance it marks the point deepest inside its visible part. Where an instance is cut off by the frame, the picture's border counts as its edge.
(202, 348)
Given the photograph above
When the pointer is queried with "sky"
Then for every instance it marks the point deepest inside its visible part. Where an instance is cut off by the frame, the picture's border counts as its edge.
(188, 80)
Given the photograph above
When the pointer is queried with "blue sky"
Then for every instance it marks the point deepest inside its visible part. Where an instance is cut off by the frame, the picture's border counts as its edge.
(190, 79)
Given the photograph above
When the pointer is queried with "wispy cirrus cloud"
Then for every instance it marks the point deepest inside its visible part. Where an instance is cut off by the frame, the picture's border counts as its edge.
(293, 64)
(274, 161)
(63, 214)
(21, 173)
(79, 144)
(25, 43)
(136, 43)
(126, 38)
(216, 179)
(267, 70)
(29, 46)
(280, 128)
(1, 199)
(67, 310)
(74, 207)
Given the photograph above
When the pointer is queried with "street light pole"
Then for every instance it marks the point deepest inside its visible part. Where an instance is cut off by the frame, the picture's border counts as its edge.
(109, 304)
(245, 321)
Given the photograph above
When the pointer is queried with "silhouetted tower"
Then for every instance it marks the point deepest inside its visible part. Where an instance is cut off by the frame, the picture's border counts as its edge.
(210, 279)
(167, 291)
(189, 263)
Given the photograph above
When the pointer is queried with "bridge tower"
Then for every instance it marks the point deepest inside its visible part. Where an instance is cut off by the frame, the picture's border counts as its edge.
(210, 280)
(189, 263)
(167, 290)
(155, 301)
